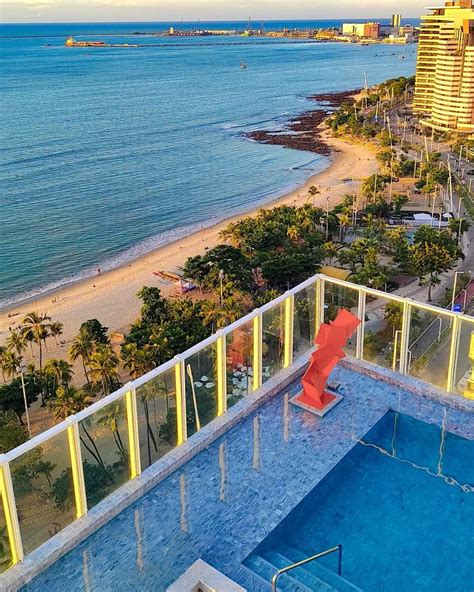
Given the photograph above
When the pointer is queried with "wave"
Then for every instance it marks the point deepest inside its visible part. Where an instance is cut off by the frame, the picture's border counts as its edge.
(308, 166)
(282, 117)
(148, 245)
(129, 255)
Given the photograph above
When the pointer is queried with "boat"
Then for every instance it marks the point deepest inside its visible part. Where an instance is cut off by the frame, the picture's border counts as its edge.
(71, 42)
(243, 65)
(168, 276)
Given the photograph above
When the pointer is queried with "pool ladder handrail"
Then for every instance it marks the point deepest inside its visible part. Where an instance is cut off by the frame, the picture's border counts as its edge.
(283, 570)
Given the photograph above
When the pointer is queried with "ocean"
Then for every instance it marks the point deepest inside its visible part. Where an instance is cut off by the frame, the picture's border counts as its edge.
(107, 153)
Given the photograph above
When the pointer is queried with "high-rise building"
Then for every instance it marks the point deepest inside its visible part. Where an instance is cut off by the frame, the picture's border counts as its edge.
(444, 90)
(361, 30)
(396, 21)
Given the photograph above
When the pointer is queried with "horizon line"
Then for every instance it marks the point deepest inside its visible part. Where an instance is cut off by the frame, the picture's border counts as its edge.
(243, 20)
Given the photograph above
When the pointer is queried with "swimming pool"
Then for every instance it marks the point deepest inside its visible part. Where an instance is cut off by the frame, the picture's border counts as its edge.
(402, 505)
(229, 498)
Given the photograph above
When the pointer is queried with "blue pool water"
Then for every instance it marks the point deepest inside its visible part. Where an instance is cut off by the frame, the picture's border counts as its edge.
(106, 154)
(225, 502)
(401, 503)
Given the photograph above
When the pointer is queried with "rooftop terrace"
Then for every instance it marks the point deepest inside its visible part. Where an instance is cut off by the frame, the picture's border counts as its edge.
(205, 457)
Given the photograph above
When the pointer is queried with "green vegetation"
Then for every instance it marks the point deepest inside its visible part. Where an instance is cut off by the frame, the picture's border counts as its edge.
(12, 432)
(365, 120)
(11, 394)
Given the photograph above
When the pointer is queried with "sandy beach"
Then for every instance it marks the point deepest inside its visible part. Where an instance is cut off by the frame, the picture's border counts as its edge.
(112, 297)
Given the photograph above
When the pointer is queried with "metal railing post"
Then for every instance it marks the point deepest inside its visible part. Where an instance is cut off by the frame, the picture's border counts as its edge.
(257, 351)
(405, 339)
(361, 327)
(289, 323)
(75, 454)
(9, 509)
(284, 570)
(132, 428)
(319, 304)
(453, 355)
(180, 401)
(221, 375)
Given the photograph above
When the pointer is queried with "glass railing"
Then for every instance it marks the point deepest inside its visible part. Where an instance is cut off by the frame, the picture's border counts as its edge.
(56, 477)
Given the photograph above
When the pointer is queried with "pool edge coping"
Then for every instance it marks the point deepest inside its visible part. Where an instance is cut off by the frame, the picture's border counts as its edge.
(409, 383)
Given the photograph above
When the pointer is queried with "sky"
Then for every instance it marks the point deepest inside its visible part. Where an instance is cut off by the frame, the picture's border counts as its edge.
(189, 10)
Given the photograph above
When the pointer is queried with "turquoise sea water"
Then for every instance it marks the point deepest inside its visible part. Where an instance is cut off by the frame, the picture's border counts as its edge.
(107, 153)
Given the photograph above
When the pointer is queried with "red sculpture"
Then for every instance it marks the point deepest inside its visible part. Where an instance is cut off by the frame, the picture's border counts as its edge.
(330, 339)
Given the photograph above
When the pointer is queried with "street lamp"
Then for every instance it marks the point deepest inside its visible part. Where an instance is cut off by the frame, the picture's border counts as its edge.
(20, 370)
(461, 220)
(221, 278)
(459, 206)
(460, 156)
(327, 218)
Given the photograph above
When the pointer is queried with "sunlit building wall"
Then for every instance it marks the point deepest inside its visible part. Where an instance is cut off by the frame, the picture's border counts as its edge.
(444, 90)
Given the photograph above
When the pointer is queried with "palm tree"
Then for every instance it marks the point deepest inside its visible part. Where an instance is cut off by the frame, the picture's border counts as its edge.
(232, 310)
(210, 313)
(159, 345)
(56, 329)
(16, 342)
(103, 365)
(137, 361)
(330, 251)
(69, 401)
(110, 417)
(29, 341)
(30, 368)
(82, 347)
(344, 222)
(3, 351)
(313, 192)
(10, 363)
(59, 371)
(35, 327)
(46, 468)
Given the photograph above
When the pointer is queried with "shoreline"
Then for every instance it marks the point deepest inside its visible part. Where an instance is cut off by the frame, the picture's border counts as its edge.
(111, 297)
(181, 233)
(305, 132)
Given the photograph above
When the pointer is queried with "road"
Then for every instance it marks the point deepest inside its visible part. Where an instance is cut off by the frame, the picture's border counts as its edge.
(429, 353)
(436, 369)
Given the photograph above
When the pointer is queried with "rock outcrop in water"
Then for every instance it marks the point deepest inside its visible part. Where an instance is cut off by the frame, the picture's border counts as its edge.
(304, 131)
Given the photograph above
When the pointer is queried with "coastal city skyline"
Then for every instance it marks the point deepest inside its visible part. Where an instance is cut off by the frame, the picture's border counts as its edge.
(42, 11)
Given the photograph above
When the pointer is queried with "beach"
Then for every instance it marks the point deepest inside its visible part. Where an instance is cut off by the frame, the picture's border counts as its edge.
(112, 297)
(151, 157)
